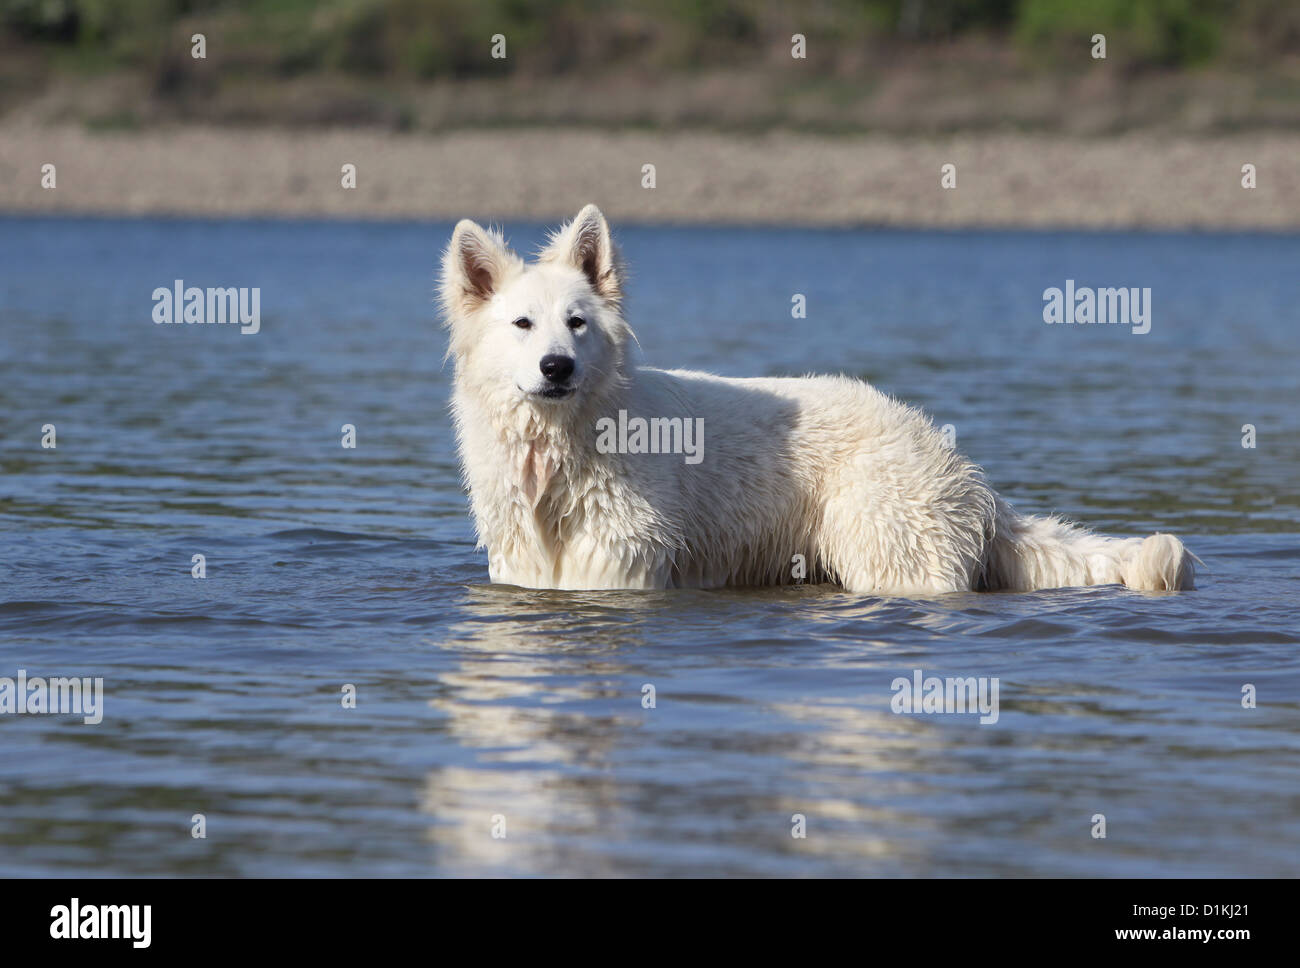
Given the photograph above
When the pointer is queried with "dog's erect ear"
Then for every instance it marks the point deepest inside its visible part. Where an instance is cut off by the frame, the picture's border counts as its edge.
(473, 267)
(585, 243)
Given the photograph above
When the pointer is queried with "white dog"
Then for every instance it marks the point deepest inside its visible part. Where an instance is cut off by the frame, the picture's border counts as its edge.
(739, 477)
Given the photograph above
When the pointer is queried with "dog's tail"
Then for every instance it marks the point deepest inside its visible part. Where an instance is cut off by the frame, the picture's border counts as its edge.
(1027, 553)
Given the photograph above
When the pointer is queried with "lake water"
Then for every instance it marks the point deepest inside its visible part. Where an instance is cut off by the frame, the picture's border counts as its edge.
(327, 566)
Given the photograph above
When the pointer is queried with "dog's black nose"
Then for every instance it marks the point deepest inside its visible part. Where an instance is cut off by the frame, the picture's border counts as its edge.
(557, 368)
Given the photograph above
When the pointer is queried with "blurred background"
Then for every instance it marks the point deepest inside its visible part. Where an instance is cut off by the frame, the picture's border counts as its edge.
(423, 65)
(707, 87)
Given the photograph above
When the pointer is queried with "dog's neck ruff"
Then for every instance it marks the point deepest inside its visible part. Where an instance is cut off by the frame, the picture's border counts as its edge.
(535, 442)
(535, 478)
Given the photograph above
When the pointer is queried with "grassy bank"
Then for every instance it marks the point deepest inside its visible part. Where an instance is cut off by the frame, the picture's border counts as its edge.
(900, 66)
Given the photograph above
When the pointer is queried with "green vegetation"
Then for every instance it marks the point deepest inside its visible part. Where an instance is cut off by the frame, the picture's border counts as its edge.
(917, 64)
(449, 38)
(1165, 33)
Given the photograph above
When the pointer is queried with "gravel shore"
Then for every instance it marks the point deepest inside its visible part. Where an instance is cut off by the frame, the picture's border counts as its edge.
(1002, 179)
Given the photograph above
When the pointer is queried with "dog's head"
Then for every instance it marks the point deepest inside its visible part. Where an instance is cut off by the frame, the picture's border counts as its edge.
(546, 333)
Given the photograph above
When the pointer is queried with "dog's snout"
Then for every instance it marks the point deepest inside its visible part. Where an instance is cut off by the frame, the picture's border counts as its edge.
(557, 368)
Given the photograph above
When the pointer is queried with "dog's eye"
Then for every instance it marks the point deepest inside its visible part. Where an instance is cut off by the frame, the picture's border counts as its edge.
(523, 322)
(576, 322)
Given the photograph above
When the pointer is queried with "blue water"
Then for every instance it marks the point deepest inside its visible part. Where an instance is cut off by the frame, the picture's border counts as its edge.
(328, 566)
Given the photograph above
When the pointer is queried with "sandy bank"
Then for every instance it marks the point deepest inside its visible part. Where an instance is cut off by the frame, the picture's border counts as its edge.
(506, 174)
